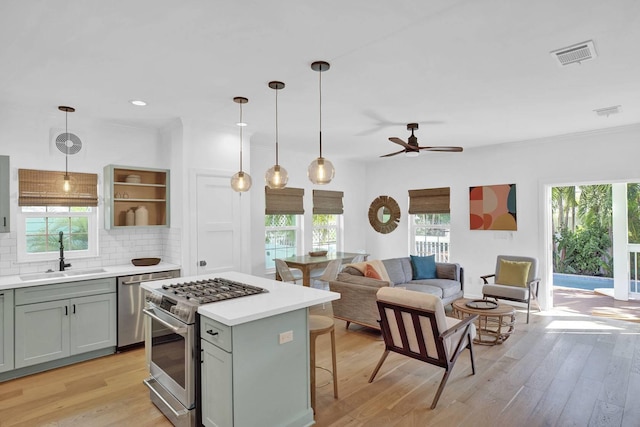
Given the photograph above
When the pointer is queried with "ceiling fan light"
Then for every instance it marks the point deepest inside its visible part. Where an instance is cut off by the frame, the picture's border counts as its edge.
(321, 171)
(276, 177)
(410, 153)
(241, 182)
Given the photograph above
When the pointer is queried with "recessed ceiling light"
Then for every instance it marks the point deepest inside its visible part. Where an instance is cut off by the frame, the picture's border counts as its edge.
(138, 102)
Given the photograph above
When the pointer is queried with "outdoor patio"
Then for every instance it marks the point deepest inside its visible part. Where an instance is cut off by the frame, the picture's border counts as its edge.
(592, 303)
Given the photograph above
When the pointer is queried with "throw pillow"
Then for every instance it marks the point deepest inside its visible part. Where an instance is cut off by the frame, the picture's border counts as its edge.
(424, 267)
(513, 273)
(352, 270)
(371, 272)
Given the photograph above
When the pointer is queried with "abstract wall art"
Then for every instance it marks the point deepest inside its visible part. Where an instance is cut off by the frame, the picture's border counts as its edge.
(493, 207)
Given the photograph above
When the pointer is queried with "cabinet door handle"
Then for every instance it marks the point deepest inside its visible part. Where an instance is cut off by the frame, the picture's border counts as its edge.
(4, 219)
(74, 309)
(66, 310)
(210, 332)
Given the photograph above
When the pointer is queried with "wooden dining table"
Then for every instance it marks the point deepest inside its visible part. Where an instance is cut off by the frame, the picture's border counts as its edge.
(307, 263)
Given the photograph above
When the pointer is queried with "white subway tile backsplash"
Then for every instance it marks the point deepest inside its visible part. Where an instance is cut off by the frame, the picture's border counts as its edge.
(116, 247)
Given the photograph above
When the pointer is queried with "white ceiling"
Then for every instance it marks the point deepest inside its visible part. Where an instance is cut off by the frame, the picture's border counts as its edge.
(472, 73)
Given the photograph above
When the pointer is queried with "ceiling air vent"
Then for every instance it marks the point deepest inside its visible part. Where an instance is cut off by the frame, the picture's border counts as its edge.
(579, 53)
(608, 111)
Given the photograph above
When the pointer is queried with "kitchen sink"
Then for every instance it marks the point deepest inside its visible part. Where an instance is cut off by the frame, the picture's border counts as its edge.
(40, 276)
(84, 271)
(56, 274)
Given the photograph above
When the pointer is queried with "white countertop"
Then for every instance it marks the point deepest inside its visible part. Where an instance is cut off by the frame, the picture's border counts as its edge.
(14, 282)
(281, 298)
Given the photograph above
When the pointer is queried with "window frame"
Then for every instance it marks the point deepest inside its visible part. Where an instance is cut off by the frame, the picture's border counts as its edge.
(21, 235)
(441, 256)
(337, 227)
(297, 228)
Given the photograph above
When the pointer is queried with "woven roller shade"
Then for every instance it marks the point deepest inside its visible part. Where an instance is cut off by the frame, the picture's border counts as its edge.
(429, 200)
(44, 188)
(285, 201)
(327, 202)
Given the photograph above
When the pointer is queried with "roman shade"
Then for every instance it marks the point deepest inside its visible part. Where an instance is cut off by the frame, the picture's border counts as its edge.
(429, 201)
(327, 202)
(285, 201)
(44, 188)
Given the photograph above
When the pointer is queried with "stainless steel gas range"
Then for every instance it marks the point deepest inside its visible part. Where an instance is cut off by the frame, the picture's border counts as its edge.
(172, 342)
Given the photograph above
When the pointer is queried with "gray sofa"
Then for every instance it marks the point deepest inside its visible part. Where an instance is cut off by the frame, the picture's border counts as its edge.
(357, 303)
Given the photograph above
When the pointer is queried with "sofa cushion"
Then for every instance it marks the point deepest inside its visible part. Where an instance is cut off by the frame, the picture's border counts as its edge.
(352, 270)
(376, 264)
(446, 271)
(398, 269)
(447, 287)
(421, 287)
(371, 272)
(513, 273)
(424, 267)
(361, 280)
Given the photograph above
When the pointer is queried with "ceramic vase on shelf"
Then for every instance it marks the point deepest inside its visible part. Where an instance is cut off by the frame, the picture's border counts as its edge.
(142, 216)
(130, 217)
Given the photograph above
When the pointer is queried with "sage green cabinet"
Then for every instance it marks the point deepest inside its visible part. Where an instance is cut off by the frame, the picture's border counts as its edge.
(248, 378)
(5, 175)
(6, 330)
(49, 325)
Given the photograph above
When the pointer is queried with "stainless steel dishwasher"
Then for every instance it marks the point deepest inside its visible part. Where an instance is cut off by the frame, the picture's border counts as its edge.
(130, 305)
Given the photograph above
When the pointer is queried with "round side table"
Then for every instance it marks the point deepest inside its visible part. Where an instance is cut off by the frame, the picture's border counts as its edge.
(494, 325)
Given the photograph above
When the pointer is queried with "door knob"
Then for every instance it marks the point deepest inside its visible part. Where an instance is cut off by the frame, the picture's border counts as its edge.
(202, 263)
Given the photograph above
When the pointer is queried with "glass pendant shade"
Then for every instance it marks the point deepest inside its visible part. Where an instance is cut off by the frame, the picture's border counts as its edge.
(411, 154)
(321, 171)
(241, 182)
(66, 186)
(276, 177)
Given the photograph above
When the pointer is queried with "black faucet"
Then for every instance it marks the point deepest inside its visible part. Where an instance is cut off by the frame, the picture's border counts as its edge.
(62, 263)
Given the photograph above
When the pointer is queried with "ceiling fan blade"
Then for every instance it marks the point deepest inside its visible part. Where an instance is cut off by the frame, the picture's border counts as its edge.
(401, 142)
(443, 148)
(393, 154)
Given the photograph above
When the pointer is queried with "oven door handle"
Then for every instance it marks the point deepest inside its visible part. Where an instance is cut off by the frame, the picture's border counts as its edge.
(178, 330)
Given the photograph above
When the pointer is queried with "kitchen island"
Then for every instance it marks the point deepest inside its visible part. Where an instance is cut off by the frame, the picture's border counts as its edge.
(254, 354)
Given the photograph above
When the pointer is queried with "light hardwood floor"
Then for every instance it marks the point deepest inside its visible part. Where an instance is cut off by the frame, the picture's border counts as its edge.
(562, 369)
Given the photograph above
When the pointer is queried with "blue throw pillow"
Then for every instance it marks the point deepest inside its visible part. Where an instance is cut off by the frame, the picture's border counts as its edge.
(424, 267)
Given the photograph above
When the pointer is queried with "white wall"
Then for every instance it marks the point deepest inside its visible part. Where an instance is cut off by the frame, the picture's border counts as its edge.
(604, 156)
(349, 178)
(26, 139)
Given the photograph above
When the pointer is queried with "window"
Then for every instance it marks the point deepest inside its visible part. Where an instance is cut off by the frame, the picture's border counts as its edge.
(431, 235)
(39, 230)
(281, 237)
(430, 222)
(326, 232)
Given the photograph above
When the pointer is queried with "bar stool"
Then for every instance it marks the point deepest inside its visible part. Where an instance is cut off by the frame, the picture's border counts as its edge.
(319, 325)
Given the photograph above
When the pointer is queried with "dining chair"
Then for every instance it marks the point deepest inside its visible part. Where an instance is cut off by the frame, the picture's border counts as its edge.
(286, 274)
(330, 273)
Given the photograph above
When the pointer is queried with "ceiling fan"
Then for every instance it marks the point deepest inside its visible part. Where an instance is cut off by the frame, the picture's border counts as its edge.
(412, 148)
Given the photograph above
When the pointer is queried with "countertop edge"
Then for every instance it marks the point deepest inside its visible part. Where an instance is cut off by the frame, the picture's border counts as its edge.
(14, 282)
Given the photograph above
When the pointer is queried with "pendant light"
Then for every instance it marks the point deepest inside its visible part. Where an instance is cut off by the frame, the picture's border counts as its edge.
(321, 170)
(241, 181)
(66, 183)
(277, 176)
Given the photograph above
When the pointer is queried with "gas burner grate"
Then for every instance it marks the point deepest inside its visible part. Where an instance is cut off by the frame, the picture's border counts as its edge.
(212, 290)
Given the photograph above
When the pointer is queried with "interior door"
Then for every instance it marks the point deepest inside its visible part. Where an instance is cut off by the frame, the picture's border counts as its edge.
(219, 222)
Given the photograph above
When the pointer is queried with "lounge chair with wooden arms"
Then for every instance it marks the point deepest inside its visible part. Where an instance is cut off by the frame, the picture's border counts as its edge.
(414, 324)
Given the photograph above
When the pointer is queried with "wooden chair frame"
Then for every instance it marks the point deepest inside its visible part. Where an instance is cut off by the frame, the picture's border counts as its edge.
(441, 360)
